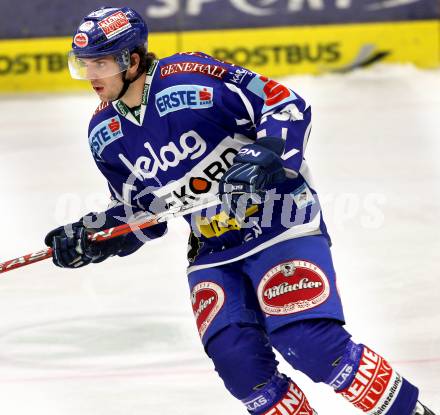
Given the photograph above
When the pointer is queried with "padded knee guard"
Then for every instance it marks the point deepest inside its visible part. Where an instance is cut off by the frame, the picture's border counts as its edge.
(313, 347)
(243, 358)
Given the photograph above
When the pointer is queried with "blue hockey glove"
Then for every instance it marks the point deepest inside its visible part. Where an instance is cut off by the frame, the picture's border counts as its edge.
(72, 248)
(257, 168)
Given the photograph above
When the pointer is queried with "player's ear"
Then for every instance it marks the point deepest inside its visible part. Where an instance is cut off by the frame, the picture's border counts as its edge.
(134, 63)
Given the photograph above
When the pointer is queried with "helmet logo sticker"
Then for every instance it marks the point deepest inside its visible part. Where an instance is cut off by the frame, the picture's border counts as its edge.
(86, 26)
(114, 24)
(81, 40)
(100, 12)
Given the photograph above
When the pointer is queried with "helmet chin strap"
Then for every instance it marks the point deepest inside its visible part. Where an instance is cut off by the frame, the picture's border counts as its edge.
(127, 83)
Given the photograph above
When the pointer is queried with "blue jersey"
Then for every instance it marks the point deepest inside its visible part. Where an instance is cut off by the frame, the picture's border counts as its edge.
(196, 113)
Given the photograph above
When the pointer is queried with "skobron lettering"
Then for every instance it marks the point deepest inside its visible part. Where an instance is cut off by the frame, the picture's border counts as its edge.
(212, 173)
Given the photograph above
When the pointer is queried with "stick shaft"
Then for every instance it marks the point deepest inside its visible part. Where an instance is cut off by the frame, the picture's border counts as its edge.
(104, 235)
(96, 237)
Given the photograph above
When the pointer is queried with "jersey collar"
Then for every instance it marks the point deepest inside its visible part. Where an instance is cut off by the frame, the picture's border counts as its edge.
(123, 110)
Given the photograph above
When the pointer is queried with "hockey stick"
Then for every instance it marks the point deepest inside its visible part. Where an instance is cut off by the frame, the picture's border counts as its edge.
(147, 221)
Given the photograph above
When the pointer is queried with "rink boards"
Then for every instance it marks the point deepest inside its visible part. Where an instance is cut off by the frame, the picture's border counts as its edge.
(40, 64)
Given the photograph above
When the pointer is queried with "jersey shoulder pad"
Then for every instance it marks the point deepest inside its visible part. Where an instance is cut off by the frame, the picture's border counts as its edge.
(104, 110)
(200, 63)
(188, 55)
(192, 67)
(101, 106)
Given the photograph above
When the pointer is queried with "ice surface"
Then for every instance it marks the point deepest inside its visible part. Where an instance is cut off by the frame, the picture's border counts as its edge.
(119, 338)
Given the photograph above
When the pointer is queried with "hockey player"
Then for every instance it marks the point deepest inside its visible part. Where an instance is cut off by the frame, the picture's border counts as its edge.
(170, 132)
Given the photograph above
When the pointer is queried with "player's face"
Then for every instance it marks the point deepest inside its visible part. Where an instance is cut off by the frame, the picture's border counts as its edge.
(108, 88)
(104, 75)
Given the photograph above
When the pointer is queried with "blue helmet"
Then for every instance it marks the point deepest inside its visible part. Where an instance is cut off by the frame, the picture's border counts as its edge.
(107, 31)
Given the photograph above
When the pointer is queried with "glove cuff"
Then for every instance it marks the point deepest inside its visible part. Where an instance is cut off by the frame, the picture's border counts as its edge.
(274, 144)
(265, 152)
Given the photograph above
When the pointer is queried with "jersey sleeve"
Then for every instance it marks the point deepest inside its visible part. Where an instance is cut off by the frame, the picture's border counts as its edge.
(271, 110)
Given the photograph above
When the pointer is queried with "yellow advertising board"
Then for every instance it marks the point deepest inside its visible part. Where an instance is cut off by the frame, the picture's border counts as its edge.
(41, 64)
(319, 49)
